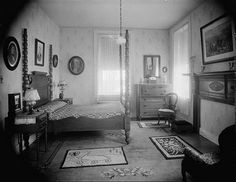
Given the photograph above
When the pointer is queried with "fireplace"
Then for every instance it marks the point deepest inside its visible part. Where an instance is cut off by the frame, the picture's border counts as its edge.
(214, 103)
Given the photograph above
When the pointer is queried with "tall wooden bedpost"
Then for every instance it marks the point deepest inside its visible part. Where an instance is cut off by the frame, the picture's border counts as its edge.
(50, 73)
(25, 82)
(121, 76)
(127, 102)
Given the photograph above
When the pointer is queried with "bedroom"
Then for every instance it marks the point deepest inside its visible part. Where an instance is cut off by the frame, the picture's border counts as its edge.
(68, 41)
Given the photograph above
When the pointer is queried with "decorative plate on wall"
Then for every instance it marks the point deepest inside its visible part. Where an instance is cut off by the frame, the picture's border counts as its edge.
(54, 61)
(76, 65)
(11, 53)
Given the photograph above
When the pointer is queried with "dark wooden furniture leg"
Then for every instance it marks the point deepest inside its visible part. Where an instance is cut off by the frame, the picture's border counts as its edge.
(26, 140)
(20, 143)
(183, 172)
(127, 136)
(38, 146)
(46, 137)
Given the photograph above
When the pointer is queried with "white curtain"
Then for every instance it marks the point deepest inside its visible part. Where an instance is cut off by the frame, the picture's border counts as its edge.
(181, 68)
(108, 69)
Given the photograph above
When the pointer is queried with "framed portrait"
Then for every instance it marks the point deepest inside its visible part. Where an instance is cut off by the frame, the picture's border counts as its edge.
(164, 69)
(217, 40)
(14, 102)
(39, 52)
(151, 66)
(76, 65)
(11, 53)
(54, 61)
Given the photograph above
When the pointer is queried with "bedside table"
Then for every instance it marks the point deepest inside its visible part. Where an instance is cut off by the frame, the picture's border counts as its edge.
(30, 124)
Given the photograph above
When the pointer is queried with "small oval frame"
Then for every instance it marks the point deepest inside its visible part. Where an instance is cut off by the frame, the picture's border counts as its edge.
(164, 69)
(55, 60)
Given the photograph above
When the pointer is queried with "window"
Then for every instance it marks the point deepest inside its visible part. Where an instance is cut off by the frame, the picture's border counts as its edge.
(108, 87)
(181, 79)
(181, 62)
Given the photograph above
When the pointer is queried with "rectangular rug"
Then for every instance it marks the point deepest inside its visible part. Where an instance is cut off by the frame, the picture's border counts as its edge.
(171, 147)
(152, 124)
(94, 157)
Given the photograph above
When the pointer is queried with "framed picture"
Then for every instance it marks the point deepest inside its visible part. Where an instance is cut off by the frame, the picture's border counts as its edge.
(151, 66)
(164, 69)
(76, 65)
(11, 53)
(54, 61)
(39, 53)
(217, 40)
(14, 102)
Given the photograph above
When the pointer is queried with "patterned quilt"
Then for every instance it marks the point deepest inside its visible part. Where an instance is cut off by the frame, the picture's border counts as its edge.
(95, 111)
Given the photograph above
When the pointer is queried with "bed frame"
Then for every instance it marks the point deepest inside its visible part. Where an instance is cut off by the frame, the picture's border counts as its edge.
(42, 81)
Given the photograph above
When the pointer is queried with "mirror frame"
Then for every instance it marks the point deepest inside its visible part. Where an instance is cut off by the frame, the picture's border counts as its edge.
(151, 66)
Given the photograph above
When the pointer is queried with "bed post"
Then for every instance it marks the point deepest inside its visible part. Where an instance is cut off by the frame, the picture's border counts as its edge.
(25, 78)
(121, 76)
(127, 103)
(50, 73)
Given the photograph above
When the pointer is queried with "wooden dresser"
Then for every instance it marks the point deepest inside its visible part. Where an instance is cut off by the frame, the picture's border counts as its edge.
(149, 98)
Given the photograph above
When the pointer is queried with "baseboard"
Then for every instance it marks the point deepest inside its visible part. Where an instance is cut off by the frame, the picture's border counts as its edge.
(209, 136)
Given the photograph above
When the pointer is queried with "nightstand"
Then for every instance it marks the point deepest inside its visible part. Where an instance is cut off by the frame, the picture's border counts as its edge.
(25, 125)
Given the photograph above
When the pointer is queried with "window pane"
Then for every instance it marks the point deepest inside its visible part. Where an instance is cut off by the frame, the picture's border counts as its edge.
(181, 62)
(108, 69)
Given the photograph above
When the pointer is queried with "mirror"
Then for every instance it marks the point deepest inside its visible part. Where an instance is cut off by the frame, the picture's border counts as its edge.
(151, 65)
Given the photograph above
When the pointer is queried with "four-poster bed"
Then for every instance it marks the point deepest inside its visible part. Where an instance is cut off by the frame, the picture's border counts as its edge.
(64, 117)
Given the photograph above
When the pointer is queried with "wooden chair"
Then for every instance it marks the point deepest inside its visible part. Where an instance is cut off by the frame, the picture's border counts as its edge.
(168, 111)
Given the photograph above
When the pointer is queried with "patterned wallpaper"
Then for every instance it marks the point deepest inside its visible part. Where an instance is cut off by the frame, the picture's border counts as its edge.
(80, 42)
(33, 18)
(212, 123)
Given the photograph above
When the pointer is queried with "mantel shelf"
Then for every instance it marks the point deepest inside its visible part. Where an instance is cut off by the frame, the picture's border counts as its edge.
(216, 86)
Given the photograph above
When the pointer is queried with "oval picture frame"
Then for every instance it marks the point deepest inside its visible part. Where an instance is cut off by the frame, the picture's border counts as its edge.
(55, 60)
(11, 53)
(164, 69)
(76, 65)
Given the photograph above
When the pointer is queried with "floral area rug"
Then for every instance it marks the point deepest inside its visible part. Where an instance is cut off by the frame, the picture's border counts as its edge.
(121, 172)
(94, 157)
(152, 124)
(172, 147)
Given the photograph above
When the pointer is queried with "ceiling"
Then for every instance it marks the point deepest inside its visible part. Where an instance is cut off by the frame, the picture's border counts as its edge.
(148, 14)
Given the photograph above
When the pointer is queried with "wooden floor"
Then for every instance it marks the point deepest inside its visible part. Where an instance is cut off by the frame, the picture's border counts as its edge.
(140, 152)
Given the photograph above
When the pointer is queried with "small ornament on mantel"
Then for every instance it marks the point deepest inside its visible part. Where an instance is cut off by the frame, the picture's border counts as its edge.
(203, 68)
(232, 65)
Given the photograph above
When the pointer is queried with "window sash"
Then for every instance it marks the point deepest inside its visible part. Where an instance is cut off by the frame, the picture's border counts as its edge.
(108, 87)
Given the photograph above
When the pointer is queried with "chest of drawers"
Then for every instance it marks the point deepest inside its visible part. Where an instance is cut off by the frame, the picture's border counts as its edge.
(149, 98)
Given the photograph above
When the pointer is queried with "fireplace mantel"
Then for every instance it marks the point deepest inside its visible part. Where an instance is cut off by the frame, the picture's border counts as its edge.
(213, 86)
(216, 86)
